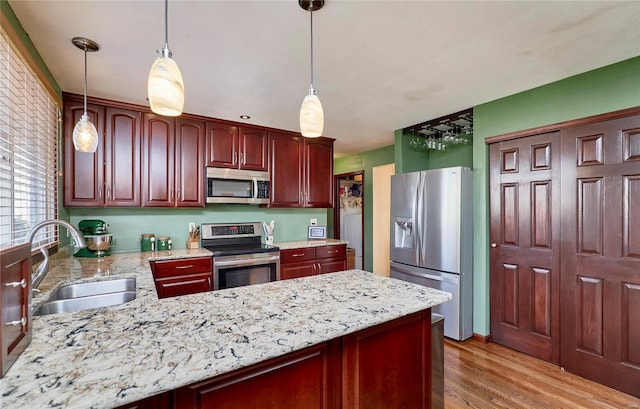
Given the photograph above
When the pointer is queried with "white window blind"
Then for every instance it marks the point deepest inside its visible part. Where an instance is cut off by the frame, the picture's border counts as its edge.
(28, 151)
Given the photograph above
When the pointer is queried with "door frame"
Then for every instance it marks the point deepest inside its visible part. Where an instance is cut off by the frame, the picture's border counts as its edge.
(336, 206)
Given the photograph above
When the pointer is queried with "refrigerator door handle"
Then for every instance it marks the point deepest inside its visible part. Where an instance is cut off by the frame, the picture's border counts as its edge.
(418, 230)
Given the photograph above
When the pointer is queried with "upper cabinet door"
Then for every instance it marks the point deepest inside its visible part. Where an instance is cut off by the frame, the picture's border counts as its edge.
(222, 145)
(122, 158)
(318, 173)
(287, 156)
(189, 163)
(254, 149)
(158, 142)
(83, 172)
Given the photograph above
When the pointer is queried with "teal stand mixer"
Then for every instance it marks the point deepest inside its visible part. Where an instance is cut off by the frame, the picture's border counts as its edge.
(98, 240)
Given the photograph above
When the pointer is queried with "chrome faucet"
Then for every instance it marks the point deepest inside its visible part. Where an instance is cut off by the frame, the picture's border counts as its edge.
(38, 275)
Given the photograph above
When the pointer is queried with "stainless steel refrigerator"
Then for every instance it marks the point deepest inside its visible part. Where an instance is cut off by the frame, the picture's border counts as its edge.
(432, 239)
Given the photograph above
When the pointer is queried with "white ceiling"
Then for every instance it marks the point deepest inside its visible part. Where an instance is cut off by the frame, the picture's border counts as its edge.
(379, 65)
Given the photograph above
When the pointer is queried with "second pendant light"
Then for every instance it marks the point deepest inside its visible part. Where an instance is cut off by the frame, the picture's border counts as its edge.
(311, 113)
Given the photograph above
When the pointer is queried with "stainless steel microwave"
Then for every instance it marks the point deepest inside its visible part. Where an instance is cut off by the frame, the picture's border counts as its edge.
(237, 186)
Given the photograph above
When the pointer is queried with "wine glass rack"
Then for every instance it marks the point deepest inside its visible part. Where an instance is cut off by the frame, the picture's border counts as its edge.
(440, 133)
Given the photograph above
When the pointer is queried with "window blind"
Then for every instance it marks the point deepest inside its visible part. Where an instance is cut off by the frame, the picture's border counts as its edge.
(28, 151)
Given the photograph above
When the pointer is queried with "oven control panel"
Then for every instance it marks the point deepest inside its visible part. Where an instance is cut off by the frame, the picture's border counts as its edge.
(215, 231)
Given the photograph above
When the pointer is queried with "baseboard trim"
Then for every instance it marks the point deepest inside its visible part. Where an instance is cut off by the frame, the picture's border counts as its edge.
(485, 339)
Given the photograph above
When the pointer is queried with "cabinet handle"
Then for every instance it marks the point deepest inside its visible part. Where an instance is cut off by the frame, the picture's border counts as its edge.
(22, 283)
(319, 268)
(22, 322)
(297, 255)
(241, 158)
(235, 157)
(184, 267)
(100, 193)
(331, 251)
(108, 192)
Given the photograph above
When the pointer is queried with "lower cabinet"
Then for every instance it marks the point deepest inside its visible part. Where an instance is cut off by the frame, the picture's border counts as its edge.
(385, 366)
(182, 276)
(302, 379)
(308, 261)
(15, 276)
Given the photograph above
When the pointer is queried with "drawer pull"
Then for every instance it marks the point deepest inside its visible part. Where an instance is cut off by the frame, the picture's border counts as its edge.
(21, 322)
(332, 251)
(297, 255)
(22, 283)
(184, 267)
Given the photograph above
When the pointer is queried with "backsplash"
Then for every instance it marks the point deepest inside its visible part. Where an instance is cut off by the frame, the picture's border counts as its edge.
(127, 225)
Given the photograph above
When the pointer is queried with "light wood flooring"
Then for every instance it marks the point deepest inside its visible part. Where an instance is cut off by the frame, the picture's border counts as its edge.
(479, 375)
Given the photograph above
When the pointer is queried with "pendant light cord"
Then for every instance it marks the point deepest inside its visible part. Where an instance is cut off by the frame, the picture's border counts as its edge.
(166, 23)
(85, 79)
(311, 25)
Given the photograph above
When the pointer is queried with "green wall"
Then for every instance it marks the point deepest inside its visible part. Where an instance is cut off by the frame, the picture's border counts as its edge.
(606, 89)
(127, 225)
(365, 162)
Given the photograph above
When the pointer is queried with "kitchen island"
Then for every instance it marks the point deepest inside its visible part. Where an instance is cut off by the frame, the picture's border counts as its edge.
(113, 356)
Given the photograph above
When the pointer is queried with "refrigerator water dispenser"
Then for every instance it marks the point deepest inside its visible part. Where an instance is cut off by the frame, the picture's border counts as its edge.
(403, 229)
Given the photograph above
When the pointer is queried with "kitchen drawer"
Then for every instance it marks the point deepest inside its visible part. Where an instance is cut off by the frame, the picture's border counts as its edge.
(182, 266)
(297, 255)
(339, 250)
(183, 285)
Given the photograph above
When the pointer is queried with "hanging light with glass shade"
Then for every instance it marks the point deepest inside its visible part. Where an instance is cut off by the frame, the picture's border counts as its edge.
(311, 114)
(165, 86)
(85, 135)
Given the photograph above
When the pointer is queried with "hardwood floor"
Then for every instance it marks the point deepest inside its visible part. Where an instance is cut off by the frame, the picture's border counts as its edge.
(479, 375)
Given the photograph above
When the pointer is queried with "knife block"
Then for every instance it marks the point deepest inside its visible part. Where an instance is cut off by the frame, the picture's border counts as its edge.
(193, 243)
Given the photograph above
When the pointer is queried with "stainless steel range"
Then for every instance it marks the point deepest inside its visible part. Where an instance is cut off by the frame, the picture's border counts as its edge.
(239, 256)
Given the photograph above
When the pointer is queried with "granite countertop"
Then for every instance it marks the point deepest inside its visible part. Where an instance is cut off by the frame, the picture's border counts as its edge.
(111, 356)
(287, 245)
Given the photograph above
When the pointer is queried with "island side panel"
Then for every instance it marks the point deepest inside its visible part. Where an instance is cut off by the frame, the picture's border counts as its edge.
(389, 365)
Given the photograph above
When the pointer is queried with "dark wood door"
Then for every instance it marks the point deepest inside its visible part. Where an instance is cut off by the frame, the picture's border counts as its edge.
(122, 157)
(287, 156)
(525, 240)
(297, 270)
(189, 163)
(318, 173)
(601, 253)
(254, 149)
(83, 172)
(158, 161)
(15, 278)
(222, 145)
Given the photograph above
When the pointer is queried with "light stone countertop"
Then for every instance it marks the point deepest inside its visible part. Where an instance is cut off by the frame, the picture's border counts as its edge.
(110, 356)
(287, 245)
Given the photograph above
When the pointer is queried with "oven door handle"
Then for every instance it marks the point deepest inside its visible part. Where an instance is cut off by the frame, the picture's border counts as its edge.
(245, 262)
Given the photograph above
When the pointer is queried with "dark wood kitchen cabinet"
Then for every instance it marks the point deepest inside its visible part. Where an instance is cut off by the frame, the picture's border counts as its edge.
(182, 276)
(110, 176)
(233, 147)
(308, 261)
(15, 276)
(173, 162)
(301, 171)
(385, 366)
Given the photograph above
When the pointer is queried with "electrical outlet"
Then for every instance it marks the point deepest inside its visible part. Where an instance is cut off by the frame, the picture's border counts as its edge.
(313, 222)
(192, 226)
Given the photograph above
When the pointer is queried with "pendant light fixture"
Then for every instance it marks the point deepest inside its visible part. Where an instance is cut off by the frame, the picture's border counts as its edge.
(165, 86)
(311, 114)
(85, 135)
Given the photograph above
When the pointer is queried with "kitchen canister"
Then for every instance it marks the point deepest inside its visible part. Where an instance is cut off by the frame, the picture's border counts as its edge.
(164, 243)
(147, 242)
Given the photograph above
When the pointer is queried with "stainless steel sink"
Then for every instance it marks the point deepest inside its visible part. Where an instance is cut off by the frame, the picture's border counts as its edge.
(82, 296)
